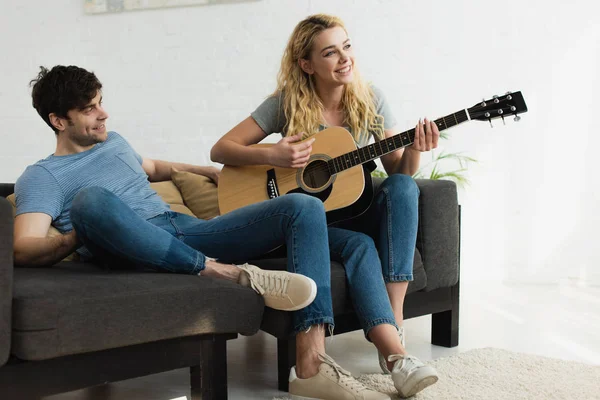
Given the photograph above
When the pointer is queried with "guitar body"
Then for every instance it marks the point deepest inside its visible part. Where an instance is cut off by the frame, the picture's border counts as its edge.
(242, 186)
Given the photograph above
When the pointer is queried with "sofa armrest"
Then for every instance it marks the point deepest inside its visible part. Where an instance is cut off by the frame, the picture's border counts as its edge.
(438, 235)
(6, 277)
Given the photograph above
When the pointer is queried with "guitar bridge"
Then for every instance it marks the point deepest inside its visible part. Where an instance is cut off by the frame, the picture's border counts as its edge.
(272, 189)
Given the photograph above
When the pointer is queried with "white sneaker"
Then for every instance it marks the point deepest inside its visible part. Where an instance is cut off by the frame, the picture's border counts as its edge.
(281, 290)
(410, 375)
(331, 383)
(382, 362)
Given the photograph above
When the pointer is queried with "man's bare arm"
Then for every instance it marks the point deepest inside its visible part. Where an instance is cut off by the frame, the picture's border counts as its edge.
(31, 246)
(159, 170)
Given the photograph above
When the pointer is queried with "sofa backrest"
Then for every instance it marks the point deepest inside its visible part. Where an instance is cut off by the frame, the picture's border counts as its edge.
(6, 277)
(6, 189)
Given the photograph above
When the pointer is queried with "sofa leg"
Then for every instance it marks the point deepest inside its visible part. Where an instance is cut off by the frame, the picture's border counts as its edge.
(444, 325)
(286, 359)
(209, 379)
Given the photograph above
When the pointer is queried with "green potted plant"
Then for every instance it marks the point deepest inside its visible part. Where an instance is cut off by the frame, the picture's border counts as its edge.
(443, 165)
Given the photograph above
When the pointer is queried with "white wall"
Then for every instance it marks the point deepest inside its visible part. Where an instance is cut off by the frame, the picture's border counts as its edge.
(177, 79)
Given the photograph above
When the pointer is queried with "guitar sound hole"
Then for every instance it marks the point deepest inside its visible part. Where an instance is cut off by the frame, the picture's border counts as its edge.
(316, 174)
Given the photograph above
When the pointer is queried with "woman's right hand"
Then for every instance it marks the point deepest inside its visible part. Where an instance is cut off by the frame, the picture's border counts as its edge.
(289, 154)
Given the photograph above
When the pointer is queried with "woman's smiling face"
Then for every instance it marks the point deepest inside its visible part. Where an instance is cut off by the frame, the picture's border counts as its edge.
(331, 59)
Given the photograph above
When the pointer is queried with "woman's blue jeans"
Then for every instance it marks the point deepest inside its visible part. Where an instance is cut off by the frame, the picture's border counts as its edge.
(392, 221)
(382, 243)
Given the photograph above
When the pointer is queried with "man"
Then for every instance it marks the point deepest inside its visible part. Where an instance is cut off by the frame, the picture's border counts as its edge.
(95, 190)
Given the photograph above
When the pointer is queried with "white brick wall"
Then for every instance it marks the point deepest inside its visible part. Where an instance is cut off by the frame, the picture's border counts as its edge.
(177, 79)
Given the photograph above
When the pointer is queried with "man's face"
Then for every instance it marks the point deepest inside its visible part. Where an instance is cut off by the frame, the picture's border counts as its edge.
(86, 126)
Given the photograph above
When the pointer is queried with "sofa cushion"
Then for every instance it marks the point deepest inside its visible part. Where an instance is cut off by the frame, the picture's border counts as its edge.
(279, 324)
(199, 193)
(79, 307)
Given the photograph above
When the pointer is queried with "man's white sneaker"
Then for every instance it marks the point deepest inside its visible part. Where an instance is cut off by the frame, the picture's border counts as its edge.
(281, 290)
(331, 383)
(382, 362)
(410, 375)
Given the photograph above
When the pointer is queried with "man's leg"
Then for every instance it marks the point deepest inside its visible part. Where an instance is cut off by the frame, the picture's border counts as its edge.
(107, 226)
(296, 220)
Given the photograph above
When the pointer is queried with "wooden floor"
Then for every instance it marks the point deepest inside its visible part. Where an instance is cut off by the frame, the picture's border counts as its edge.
(561, 322)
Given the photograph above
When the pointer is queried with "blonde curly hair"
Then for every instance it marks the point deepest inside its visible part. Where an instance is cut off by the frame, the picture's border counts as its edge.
(302, 106)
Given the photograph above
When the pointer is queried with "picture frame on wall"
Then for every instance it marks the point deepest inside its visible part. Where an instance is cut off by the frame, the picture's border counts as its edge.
(113, 6)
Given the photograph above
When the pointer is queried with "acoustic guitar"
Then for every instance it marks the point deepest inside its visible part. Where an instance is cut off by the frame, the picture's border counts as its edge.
(338, 173)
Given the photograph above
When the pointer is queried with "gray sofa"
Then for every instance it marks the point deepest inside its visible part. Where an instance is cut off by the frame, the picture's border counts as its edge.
(77, 325)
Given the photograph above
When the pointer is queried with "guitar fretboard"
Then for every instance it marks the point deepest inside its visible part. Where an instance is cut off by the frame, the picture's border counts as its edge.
(383, 147)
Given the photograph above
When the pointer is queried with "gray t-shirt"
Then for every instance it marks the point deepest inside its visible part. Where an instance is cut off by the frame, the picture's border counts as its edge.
(271, 118)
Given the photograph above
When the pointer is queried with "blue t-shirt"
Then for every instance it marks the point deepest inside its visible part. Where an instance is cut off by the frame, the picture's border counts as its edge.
(50, 185)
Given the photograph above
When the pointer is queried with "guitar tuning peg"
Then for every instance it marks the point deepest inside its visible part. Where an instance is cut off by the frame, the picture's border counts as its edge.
(507, 93)
(517, 118)
(483, 104)
(488, 116)
(495, 97)
(503, 122)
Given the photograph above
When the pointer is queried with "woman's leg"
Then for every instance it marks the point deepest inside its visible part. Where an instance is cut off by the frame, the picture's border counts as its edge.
(358, 254)
(392, 222)
(395, 209)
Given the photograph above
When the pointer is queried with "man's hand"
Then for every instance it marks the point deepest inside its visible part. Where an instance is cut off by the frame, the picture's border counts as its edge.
(71, 239)
(213, 173)
(32, 246)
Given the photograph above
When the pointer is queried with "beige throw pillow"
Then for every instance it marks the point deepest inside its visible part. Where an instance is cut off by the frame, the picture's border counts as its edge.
(170, 195)
(199, 193)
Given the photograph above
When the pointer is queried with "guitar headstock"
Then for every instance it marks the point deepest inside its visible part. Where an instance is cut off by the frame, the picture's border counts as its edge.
(499, 107)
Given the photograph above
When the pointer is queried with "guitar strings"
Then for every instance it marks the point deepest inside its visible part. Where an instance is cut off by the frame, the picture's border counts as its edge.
(331, 164)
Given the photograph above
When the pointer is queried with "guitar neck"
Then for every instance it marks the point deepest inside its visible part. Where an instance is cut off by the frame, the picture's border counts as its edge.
(393, 143)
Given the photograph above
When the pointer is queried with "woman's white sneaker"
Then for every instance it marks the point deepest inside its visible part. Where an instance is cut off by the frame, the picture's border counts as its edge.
(332, 382)
(410, 375)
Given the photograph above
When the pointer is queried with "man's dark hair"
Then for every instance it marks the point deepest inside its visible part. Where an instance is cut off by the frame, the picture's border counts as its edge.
(62, 89)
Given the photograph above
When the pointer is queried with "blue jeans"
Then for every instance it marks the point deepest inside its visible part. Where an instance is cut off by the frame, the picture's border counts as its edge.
(178, 243)
(378, 247)
(391, 221)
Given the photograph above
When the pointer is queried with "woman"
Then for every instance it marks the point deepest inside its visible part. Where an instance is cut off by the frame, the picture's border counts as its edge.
(319, 86)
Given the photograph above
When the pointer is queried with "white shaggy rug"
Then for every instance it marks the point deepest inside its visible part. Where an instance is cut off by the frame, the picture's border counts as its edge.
(494, 374)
